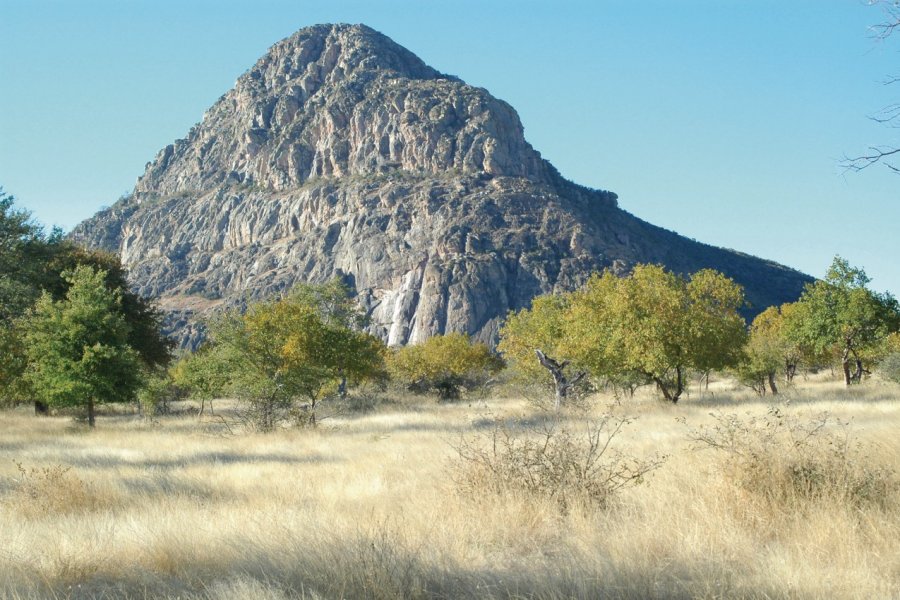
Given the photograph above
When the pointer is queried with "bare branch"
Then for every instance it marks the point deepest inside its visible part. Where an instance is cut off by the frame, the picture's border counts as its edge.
(876, 155)
(891, 113)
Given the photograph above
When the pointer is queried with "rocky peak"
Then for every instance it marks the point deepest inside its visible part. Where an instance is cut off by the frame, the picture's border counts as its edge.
(340, 153)
(342, 100)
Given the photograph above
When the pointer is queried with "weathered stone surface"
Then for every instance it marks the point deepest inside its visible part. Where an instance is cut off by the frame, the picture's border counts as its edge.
(341, 153)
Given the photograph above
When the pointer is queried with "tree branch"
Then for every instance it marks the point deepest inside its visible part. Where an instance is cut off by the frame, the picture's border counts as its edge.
(876, 155)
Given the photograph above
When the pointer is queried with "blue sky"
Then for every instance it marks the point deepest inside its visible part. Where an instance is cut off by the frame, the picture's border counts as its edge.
(725, 121)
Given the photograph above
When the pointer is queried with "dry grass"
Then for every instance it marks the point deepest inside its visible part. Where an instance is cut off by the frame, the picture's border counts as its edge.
(364, 508)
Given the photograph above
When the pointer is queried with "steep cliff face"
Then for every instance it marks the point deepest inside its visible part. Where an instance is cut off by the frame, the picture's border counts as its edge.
(341, 153)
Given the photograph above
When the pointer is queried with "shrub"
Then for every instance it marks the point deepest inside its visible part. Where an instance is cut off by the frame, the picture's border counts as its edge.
(157, 393)
(552, 462)
(446, 364)
(782, 459)
(41, 491)
(889, 367)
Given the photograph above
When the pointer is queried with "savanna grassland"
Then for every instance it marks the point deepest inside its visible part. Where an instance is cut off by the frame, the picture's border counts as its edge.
(372, 504)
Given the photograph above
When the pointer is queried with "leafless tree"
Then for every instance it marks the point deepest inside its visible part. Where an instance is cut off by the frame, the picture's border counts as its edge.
(889, 115)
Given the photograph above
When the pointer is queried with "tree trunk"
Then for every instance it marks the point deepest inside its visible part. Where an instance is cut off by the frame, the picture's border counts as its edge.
(661, 386)
(562, 383)
(41, 408)
(679, 387)
(790, 370)
(845, 365)
(342, 385)
(860, 371)
(90, 408)
(561, 392)
(772, 383)
(312, 413)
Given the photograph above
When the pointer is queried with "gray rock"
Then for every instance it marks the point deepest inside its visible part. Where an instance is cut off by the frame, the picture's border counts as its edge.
(341, 153)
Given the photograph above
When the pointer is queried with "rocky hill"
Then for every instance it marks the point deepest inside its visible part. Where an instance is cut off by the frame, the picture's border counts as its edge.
(342, 153)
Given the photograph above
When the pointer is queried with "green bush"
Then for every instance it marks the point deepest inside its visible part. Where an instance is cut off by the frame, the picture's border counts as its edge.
(446, 364)
(157, 393)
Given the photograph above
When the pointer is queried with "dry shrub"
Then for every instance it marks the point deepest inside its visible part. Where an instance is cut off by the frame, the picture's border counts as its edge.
(54, 490)
(889, 367)
(378, 562)
(551, 461)
(783, 459)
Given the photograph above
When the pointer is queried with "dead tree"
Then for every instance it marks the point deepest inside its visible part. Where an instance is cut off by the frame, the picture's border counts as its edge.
(562, 382)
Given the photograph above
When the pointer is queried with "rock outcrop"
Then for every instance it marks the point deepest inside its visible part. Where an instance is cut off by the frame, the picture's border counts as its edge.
(342, 153)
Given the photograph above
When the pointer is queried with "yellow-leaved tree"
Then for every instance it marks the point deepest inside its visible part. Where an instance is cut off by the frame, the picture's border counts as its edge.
(446, 364)
(294, 348)
(652, 324)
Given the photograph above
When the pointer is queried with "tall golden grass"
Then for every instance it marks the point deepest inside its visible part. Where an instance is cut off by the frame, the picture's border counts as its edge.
(366, 507)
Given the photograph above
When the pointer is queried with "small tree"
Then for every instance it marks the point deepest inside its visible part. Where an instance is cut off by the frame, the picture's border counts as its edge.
(283, 350)
(334, 303)
(841, 315)
(889, 366)
(158, 390)
(204, 375)
(769, 351)
(444, 363)
(77, 348)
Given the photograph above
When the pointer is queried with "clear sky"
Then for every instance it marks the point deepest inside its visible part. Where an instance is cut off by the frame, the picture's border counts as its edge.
(723, 120)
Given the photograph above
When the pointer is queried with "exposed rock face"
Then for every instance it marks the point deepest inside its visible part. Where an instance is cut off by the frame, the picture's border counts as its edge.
(341, 153)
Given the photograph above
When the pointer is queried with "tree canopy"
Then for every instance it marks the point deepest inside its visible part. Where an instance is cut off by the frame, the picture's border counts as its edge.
(652, 324)
(77, 348)
(296, 347)
(33, 262)
(445, 364)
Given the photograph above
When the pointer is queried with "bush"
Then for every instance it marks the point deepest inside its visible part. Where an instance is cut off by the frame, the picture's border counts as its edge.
(446, 364)
(553, 462)
(157, 394)
(39, 492)
(889, 367)
(782, 459)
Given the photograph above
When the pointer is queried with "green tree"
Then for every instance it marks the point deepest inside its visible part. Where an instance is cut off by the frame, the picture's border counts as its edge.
(23, 246)
(446, 364)
(283, 350)
(204, 375)
(143, 318)
(157, 392)
(32, 262)
(13, 388)
(77, 348)
(840, 315)
(334, 303)
(658, 325)
(889, 358)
